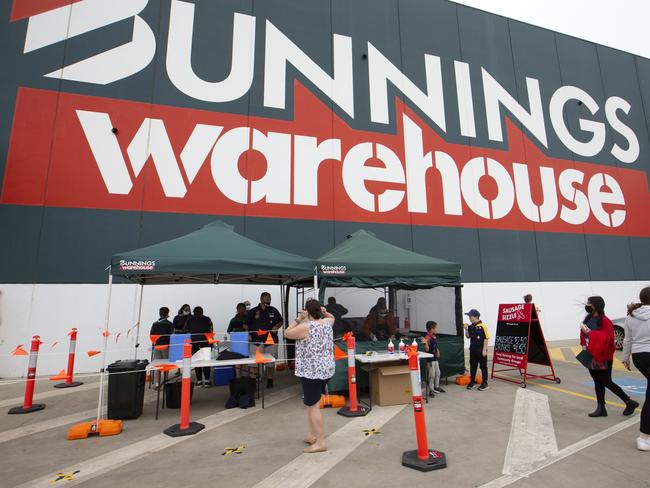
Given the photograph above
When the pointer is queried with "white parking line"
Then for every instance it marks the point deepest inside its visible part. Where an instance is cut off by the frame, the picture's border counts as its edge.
(532, 436)
(564, 453)
(91, 468)
(306, 469)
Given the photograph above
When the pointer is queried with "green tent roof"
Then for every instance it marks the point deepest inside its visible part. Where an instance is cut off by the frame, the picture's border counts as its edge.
(363, 260)
(213, 254)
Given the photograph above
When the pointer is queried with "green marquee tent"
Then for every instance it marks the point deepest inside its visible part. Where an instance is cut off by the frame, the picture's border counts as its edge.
(364, 261)
(213, 254)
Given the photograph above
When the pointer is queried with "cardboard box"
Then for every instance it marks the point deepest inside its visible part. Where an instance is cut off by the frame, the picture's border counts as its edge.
(391, 385)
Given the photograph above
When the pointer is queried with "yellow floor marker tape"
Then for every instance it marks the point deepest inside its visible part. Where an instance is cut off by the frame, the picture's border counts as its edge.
(368, 432)
(64, 477)
(233, 450)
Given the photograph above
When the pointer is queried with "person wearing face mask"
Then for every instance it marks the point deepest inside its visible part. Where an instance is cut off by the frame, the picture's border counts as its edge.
(262, 321)
(180, 321)
(597, 338)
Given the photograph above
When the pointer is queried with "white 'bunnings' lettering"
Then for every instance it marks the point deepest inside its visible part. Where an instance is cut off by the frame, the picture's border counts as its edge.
(115, 64)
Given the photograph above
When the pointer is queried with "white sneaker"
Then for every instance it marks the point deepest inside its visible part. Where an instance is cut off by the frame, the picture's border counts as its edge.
(642, 444)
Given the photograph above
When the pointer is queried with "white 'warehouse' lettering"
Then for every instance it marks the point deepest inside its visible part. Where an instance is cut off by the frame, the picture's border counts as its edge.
(283, 151)
(279, 52)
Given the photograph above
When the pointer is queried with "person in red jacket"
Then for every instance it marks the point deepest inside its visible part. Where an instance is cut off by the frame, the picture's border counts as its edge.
(597, 338)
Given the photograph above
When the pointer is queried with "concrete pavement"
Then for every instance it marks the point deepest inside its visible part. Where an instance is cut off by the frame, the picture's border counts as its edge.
(473, 428)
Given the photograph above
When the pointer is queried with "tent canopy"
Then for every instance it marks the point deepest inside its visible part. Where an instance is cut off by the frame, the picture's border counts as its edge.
(365, 261)
(213, 254)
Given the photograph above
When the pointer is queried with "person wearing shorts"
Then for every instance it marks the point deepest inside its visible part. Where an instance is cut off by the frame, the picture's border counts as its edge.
(313, 333)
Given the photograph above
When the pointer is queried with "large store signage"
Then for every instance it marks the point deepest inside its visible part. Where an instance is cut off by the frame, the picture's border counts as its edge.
(315, 166)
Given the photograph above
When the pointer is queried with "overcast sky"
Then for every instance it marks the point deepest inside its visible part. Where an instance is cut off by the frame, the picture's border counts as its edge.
(623, 24)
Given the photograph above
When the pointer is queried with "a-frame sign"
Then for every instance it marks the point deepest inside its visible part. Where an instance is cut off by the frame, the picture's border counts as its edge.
(519, 341)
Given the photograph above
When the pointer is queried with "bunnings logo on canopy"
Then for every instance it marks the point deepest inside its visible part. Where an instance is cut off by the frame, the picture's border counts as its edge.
(96, 152)
(126, 265)
(333, 270)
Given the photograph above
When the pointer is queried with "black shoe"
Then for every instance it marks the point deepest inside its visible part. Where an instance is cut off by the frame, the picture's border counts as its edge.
(630, 407)
(439, 389)
(471, 385)
(484, 386)
(431, 394)
(269, 383)
(599, 412)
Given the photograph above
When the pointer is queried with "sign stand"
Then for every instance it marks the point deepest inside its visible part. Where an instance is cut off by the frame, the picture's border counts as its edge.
(519, 341)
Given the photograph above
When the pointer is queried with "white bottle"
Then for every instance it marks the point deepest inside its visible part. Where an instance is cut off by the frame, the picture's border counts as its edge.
(414, 343)
(402, 347)
(391, 347)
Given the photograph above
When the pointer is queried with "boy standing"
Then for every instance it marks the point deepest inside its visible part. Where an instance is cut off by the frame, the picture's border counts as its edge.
(430, 342)
(478, 336)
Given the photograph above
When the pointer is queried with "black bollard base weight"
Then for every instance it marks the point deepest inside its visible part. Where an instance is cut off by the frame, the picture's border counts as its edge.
(360, 412)
(68, 385)
(176, 431)
(34, 408)
(436, 460)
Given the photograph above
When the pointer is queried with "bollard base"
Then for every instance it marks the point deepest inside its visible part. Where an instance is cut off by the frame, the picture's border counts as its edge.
(68, 385)
(360, 412)
(176, 431)
(34, 408)
(436, 460)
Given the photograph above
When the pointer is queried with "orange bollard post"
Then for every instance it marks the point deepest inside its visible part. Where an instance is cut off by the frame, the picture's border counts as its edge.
(71, 352)
(354, 409)
(422, 458)
(28, 406)
(185, 427)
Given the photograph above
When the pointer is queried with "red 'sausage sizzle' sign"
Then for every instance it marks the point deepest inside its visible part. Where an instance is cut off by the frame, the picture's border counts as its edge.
(315, 167)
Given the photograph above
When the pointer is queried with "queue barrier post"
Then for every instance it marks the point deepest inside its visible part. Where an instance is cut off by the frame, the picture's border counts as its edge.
(70, 372)
(422, 459)
(28, 406)
(354, 409)
(185, 427)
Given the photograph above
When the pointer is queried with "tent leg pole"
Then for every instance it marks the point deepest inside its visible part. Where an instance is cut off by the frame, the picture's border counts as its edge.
(105, 349)
(137, 325)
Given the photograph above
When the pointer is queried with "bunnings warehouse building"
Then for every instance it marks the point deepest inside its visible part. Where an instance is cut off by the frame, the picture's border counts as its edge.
(520, 153)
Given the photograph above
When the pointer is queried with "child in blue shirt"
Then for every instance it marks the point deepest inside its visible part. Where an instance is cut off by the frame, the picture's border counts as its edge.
(478, 336)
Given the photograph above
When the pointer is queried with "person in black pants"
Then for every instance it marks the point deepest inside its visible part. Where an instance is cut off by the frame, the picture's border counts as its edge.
(198, 325)
(478, 336)
(597, 337)
(637, 344)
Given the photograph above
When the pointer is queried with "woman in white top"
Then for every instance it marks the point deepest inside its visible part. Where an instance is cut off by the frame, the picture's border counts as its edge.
(637, 343)
(312, 331)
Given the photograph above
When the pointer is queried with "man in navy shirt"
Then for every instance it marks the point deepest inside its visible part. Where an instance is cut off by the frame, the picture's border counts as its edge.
(264, 320)
(478, 336)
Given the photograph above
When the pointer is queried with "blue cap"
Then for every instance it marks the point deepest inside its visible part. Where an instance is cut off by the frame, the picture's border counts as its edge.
(473, 313)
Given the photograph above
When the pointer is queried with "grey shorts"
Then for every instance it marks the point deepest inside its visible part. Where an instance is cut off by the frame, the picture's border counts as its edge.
(264, 348)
